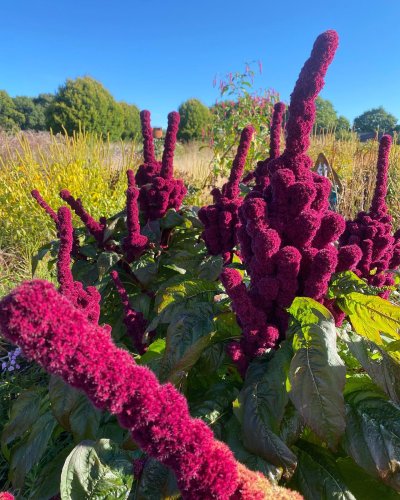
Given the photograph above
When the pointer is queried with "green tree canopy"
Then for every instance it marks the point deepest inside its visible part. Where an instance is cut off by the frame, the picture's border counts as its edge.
(85, 103)
(130, 120)
(10, 118)
(33, 110)
(326, 116)
(375, 119)
(195, 120)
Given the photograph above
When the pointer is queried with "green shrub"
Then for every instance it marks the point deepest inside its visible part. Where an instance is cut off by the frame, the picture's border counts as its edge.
(195, 120)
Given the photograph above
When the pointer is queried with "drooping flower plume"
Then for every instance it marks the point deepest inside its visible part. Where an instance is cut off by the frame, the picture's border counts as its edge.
(52, 332)
(221, 219)
(41, 202)
(160, 191)
(287, 231)
(134, 321)
(87, 300)
(135, 243)
(95, 228)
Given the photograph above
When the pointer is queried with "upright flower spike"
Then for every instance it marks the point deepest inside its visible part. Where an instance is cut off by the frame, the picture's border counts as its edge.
(151, 167)
(135, 243)
(261, 172)
(221, 219)
(37, 196)
(96, 229)
(88, 300)
(161, 191)
(52, 332)
(134, 321)
(371, 232)
(287, 230)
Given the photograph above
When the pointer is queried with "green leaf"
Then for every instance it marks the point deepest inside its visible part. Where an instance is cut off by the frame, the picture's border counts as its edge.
(381, 367)
(73, 410)
(157, 482)
(47, 485)
(317, 374)
(105, 261)
(317, 475)
(211, 268)
(361, 484)
(226, 326)
(27, 452)
(372, 436)
(233, 438)
(155, 351)
(181, 297)
(348, 282)
(262, 404)
(39, 256)
(171, 219)
(371, 316)
(24, 413)
(216, 402)
(97, 470)
(187, 336)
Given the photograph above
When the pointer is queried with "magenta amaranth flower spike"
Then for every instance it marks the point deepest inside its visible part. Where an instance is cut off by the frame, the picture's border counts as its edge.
(221, 219)
(96, 229)
(151, 167)
(37, 196)
(371, 232)
(261, 172)
(287, 230)
(4, 495)
(87, 300)
(134, 321)
(52, 332)
(162, 192)
(135, 243)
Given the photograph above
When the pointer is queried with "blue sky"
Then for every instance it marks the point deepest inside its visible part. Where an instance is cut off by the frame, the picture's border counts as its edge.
(157, 54)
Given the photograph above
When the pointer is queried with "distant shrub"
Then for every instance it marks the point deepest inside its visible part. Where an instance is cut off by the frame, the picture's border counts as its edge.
(85, 103)
(195, 120)
(130, 120)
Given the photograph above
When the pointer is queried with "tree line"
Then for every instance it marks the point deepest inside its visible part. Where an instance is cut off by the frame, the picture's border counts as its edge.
(85, 103)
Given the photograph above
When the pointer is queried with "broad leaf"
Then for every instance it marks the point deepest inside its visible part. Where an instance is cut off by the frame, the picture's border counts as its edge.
(105, 261)
(27, 452)
(97, 470)
(157, 482)
(318, 476)
(361, 484)
(348, 282)
(187, 336)
(182, 297)
(263, 402)
(371, 316)
(24, 413)
(317, 374)
(372, 436)
(381, 367)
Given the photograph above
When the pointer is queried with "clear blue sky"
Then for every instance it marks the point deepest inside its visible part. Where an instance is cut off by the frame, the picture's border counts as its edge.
(157, 54)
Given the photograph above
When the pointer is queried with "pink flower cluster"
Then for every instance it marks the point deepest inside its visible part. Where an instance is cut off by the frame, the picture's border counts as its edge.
(135, 243)
(87, 300)
(287, 230)
(134, 321)
(52, 332)
(221, 219)
(6, 496)
(370, 233)
(159, 190)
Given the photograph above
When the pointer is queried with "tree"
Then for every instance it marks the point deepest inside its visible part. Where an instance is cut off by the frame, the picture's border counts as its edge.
(326, 116)
(85, 103)
(130, 120)
(343, 124)
(374, 120)
(42, 103)
(195, 120)
(10, 118)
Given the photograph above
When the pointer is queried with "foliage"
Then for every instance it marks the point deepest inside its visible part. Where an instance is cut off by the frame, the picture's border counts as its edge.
(195, 120)
(130, 120)
(85, 104)
(10, 118)
(326, 117)
(374, 120)
(34, 111)
(238, 107)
